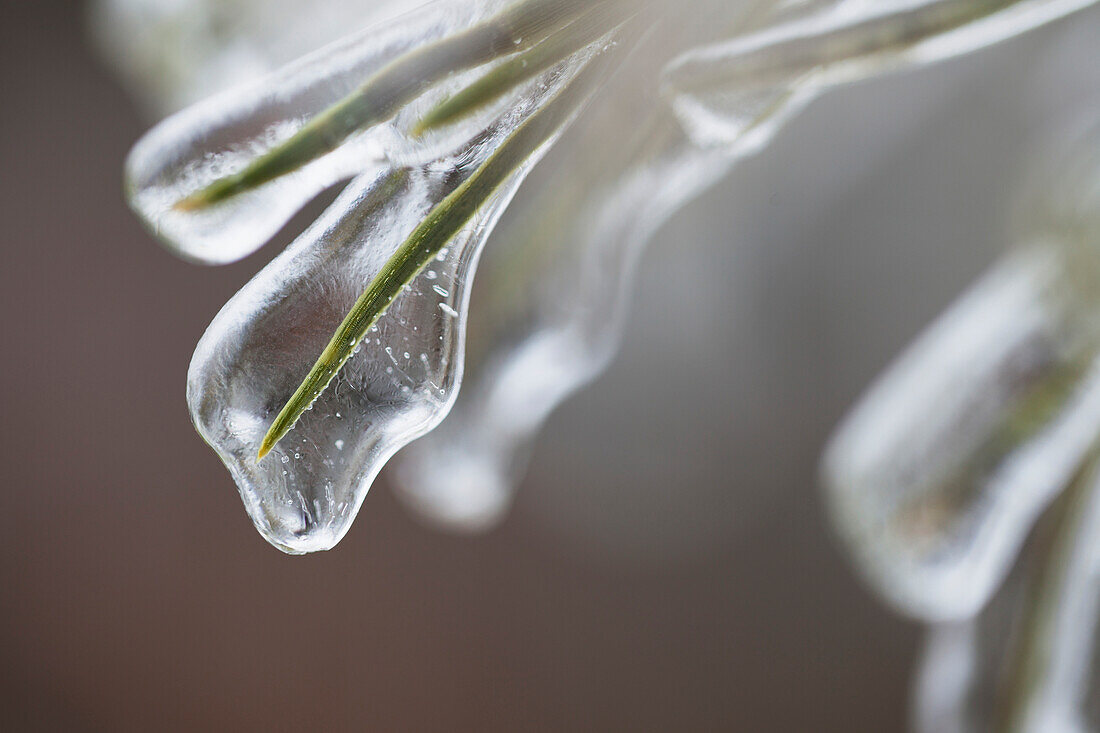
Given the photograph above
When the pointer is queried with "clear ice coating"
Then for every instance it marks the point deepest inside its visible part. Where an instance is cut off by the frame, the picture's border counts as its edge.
(939, 473)
(549, 322)
(551, 300)
(555, 287)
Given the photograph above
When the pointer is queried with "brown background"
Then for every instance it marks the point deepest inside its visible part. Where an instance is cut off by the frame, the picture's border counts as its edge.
(700, 590)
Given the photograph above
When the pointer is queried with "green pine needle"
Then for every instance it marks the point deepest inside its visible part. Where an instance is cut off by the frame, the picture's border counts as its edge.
(518, 27)
(441, 225)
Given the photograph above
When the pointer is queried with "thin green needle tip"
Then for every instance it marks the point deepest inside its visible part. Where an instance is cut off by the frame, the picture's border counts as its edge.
(265, 447)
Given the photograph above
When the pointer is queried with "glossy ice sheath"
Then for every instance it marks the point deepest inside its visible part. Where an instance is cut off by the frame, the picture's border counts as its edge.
(517, 27)
(713, 88)
(556, 288)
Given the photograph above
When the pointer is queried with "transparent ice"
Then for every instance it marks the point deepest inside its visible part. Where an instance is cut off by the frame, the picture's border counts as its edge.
(304, 495)
(555, 287)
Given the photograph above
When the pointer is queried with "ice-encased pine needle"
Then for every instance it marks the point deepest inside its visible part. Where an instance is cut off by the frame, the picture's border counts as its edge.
(425, 242)
(516, 28)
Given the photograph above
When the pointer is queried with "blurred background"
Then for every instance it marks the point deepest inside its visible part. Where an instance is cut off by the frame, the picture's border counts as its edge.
(667, 564)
